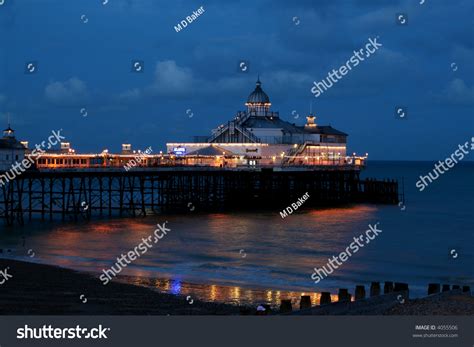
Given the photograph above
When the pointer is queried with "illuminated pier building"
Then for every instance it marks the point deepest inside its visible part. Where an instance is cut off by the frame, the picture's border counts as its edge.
(11, 150)
(259, 137)
(254, 138)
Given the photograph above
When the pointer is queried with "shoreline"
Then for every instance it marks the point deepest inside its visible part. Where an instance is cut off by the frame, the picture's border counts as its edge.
(238, 295)
(40, 289)
(215, 292)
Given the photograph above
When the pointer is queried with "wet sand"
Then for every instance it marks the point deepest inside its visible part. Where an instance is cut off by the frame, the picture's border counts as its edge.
(37, 289)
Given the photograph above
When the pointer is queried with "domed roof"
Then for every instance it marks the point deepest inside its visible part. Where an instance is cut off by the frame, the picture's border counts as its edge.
(258, 95)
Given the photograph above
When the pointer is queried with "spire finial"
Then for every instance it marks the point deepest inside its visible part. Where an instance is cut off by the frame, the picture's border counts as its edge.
(8, 132)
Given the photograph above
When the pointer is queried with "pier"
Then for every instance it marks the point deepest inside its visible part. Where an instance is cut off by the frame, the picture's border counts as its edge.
(254, 161)
(72, 195)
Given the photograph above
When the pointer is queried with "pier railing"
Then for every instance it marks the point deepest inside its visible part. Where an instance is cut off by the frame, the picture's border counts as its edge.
(293, 159)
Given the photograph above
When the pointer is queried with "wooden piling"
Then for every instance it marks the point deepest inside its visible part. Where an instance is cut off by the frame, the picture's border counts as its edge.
(359, 292)
(374, 289)
(285, 306)
(433, 288)
(388, 287)
(401, 287)
(305, 302)
(343, 295)
(325, 298)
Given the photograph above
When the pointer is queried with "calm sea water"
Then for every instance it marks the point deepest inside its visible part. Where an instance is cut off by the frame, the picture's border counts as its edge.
(258, 256)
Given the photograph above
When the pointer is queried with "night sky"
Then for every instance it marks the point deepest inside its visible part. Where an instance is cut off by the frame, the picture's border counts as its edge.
(83, 51)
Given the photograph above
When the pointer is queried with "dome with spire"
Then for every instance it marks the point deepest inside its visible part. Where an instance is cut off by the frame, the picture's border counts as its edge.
(8, 141)
(8, 132)
(258, 96)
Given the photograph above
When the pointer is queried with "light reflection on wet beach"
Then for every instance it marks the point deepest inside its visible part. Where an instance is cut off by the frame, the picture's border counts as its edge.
(227, 294)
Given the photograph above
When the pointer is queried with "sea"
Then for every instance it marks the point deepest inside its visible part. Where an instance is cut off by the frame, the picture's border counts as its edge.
(257, 257)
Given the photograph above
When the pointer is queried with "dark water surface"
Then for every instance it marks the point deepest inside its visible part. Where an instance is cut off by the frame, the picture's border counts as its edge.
(256, 257)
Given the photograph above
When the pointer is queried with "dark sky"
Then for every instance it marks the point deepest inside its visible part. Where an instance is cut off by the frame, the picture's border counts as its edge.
(84, 52)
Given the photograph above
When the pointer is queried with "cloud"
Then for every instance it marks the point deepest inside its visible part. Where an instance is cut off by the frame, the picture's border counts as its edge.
(459, 93)
(71, 91)
(284, 78)
(130, 95)
(176, 81)
(171, 79)
(393, 57)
